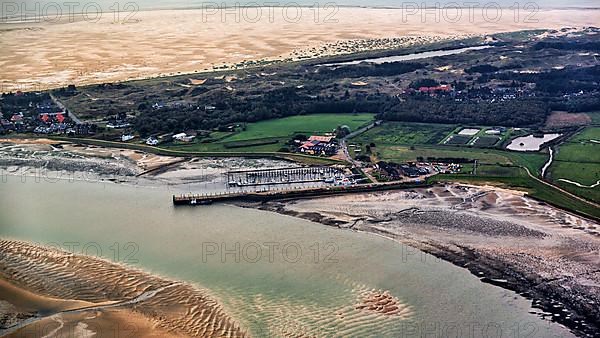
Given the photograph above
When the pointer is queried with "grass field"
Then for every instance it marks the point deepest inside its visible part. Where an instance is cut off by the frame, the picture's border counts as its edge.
(595, 117)
(301, 124)
(579, 152)
(578, 160)
(404, 142)
(396, 153)
(405, 133)
(272, 135)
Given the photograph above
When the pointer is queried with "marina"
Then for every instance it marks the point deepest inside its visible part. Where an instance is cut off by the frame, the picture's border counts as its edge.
(242, 178)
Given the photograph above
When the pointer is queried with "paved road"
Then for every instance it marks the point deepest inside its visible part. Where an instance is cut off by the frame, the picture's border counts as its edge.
(69, 113)
(348, 158)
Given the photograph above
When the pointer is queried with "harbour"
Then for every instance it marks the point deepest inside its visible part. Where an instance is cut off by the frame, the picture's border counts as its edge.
(268, 298)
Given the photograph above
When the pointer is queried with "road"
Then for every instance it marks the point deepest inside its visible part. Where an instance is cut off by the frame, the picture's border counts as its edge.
(596, 205)
(69, 113)
(353, 162)
(348, 158)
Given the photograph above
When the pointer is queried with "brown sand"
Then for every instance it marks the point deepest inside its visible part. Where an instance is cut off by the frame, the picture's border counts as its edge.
(381, 302)
(55, 284)
(42, 55)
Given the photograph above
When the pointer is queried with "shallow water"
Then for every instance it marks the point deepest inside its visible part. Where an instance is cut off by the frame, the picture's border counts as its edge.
(410, 57)
(530, 143)
(307, 279)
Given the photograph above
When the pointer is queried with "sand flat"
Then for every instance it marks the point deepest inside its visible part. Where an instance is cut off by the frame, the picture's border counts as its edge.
(43, 55)
(177, 308)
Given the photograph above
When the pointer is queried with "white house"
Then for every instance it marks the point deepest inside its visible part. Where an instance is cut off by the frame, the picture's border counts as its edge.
(183, 137)
(179, 136)
(151, 141)
(125, 138)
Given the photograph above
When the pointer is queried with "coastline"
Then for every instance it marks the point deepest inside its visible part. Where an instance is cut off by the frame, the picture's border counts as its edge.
(227, 45)
(507, 251)
(518, 243)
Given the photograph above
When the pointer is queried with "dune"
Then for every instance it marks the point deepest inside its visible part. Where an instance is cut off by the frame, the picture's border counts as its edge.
(43, 55)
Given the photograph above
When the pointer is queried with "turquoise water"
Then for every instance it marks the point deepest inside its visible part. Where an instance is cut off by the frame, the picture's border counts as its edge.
(311, 292)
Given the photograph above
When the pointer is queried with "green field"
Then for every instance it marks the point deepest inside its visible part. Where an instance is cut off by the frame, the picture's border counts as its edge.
(578, 160)
(272, 135)
(397, 153)
(301, 124)
(579, 152)
(405, 133)
(590, 133)
(500, 171)
(406, 142)
(459, 140)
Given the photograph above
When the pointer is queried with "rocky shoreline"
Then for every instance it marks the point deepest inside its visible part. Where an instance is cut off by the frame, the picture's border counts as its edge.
(455, 234)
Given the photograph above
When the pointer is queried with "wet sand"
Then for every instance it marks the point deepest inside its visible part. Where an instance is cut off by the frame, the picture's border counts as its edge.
(51, 160)
(500, 235)
(45, 55)
(69, 291)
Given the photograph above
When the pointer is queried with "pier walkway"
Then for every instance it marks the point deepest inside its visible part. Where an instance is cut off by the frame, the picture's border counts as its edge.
(267, 195)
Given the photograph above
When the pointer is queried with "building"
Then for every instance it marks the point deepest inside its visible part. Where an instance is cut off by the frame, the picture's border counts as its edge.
(118, 125)
(151, 141)
(319, 145)
(183, 137)
(413, 171)
(127, 137)
(436, 89)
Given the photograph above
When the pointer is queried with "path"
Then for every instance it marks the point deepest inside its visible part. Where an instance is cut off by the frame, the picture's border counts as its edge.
(346, 154)
(596, 205)
(579, 184)
(69, 113)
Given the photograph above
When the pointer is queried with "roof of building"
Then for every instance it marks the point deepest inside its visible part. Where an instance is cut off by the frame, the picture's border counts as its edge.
(325, 139)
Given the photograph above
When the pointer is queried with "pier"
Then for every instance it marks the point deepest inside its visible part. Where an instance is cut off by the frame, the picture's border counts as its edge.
(268, 195)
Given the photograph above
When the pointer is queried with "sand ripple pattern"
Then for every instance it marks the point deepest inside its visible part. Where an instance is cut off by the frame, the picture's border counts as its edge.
(341, 316)
(176, 307)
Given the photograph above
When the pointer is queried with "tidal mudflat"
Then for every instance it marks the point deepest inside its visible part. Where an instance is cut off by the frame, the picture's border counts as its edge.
(499, 235)
(344, 282)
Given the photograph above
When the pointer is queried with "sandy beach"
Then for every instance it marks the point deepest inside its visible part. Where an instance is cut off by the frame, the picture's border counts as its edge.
(37, 56)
